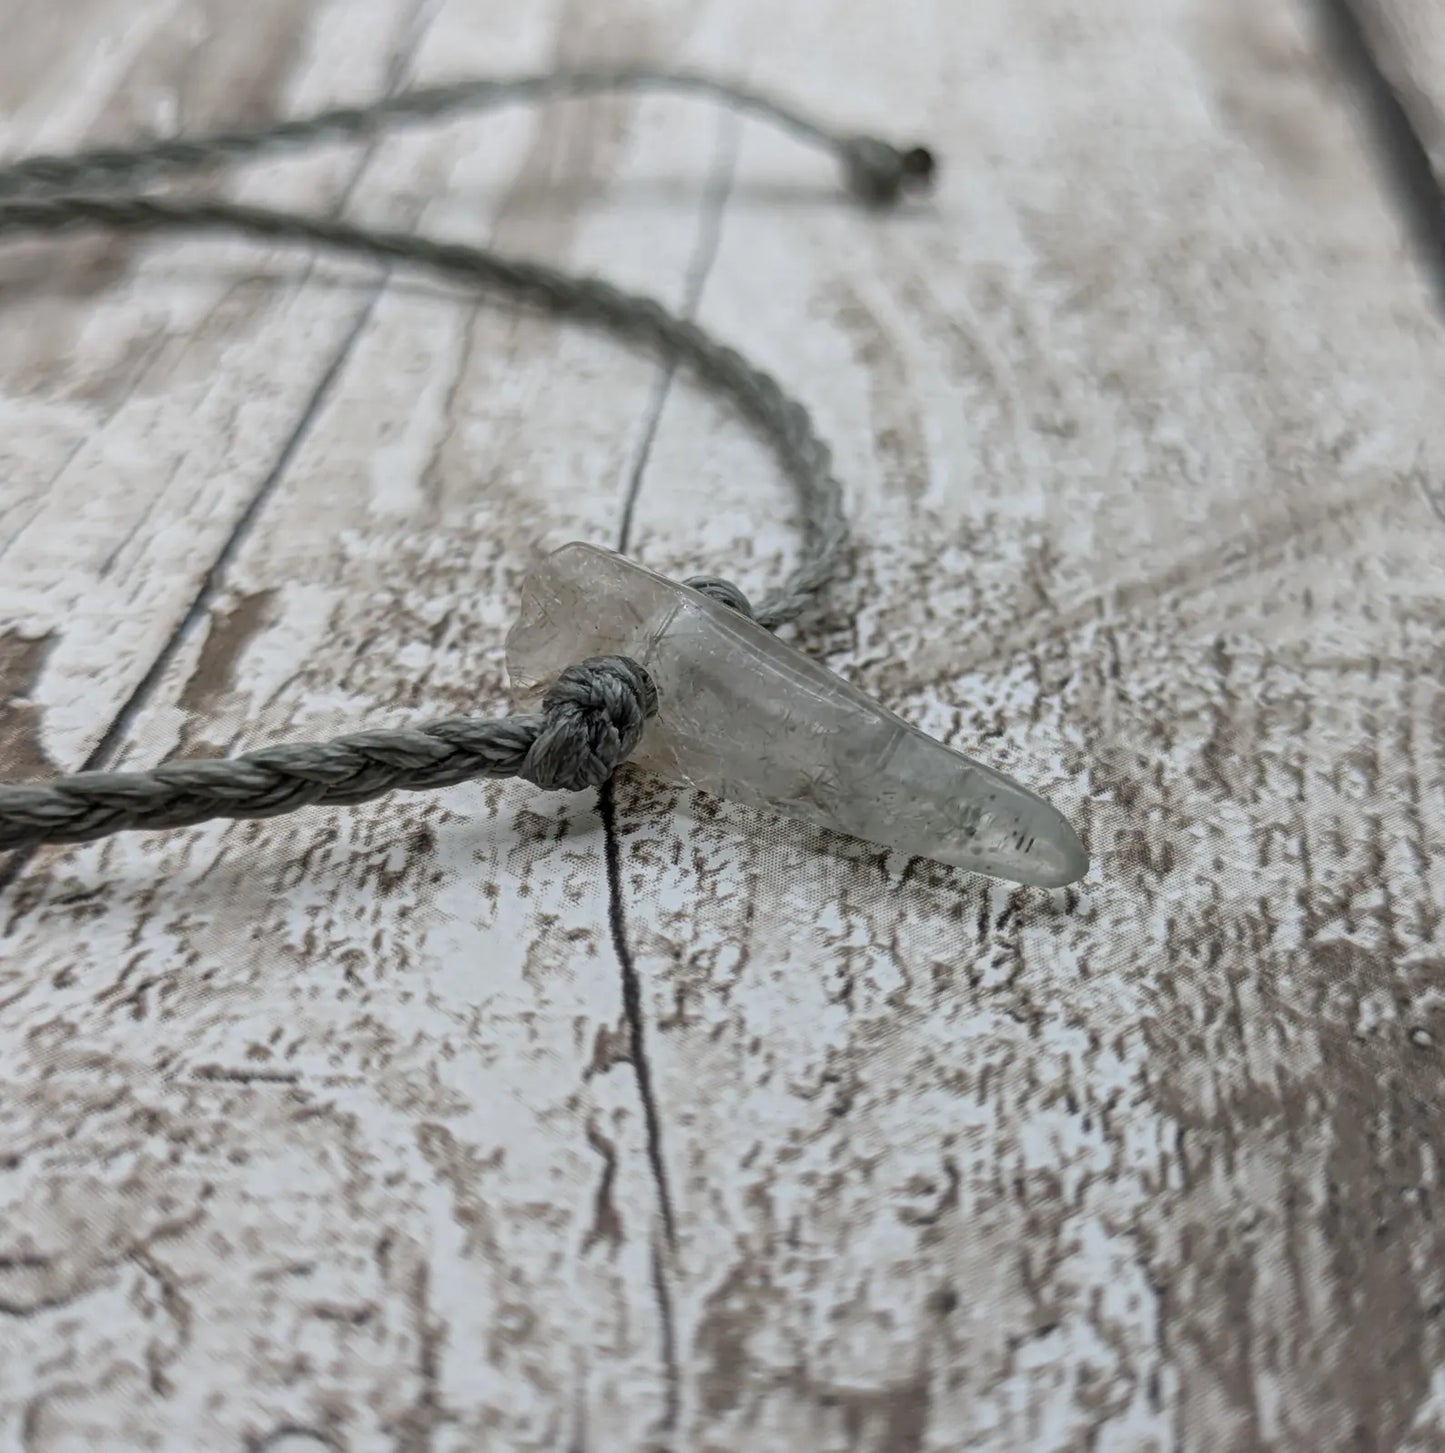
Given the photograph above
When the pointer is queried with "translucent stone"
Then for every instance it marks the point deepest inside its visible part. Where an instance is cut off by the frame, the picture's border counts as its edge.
(746, 717)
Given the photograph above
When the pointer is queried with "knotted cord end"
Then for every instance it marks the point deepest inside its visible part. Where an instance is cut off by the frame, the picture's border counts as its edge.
(880, 173)
(592, 719)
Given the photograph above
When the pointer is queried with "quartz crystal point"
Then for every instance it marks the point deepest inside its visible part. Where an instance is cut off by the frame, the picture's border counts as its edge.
(746, 717)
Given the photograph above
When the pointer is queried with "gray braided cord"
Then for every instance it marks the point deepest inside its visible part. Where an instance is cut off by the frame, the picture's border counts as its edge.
(877, 170)
(591, 719)
(783, 420)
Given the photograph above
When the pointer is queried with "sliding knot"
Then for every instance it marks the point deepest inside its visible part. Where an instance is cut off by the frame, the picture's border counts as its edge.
(722, 591)
(880, 172)
(592, 718)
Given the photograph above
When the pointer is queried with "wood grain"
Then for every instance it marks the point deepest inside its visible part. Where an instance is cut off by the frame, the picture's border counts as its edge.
(338, 1127)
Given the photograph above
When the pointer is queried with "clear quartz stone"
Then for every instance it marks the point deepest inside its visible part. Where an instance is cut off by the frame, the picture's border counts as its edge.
(744, 716)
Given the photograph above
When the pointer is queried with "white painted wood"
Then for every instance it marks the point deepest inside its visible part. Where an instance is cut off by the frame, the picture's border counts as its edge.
(329, 1126)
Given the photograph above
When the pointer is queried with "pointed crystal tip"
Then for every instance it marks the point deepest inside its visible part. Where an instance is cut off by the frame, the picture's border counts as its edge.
(1058, 859)
(988, 823)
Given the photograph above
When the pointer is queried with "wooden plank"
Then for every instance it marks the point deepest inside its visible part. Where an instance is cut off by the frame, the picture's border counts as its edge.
(328, 1124)
(1138, 467)
(1408, 41)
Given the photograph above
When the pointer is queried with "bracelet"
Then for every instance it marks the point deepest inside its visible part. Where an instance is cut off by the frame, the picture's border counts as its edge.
(684, 679)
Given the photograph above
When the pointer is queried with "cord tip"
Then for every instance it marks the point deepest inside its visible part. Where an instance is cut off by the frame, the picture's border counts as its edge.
(880, 173)
(920, 164)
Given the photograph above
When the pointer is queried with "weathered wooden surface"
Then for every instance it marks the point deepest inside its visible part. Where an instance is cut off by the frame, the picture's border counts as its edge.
(1407, 38)
(329, 1131)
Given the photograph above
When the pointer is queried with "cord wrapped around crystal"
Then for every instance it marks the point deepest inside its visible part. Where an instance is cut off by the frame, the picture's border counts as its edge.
(748, 718)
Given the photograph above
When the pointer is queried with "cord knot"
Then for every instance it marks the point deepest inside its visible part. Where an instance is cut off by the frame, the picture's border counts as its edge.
(722, 591)
(880, 172)
(592, 718)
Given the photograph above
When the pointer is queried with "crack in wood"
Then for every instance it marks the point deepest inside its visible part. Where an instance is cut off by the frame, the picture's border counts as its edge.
(715, 199)
(632, 1005)
(704, 254)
